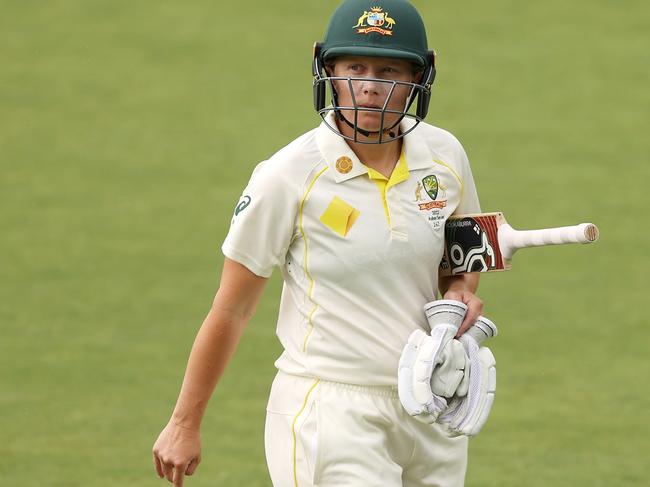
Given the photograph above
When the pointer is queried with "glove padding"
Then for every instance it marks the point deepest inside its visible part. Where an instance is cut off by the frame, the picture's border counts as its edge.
(431, 368)
(466, 414)
(451, 377)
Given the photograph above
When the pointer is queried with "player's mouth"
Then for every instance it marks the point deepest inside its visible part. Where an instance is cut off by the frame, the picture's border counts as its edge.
(368, 105)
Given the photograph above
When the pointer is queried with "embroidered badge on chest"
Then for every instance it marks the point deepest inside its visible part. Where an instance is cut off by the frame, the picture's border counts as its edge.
(430, 196)
(433, 189)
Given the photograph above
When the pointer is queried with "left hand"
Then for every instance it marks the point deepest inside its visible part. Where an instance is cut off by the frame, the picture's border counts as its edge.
(474, 307)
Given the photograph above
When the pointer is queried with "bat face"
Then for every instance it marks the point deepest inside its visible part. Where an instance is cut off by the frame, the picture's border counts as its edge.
(471, 245)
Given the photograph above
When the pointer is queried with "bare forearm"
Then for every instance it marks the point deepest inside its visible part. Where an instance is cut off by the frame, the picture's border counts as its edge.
(177, 451)
(213, 348)
(215, 344)
(463, 288)
(461, 282)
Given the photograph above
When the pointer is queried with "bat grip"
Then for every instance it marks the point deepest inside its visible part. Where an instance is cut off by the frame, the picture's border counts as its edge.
(511, 240)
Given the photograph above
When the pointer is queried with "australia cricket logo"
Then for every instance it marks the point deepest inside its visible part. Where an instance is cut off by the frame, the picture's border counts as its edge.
(374, 21)
(431, 186)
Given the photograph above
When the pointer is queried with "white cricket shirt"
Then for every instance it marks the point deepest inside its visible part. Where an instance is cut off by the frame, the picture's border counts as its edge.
(359, 253)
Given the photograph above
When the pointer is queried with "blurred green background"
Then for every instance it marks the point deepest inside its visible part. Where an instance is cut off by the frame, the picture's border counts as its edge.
(129, 128)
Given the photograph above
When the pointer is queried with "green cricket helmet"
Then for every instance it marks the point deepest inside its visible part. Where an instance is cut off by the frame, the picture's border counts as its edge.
(380, 28)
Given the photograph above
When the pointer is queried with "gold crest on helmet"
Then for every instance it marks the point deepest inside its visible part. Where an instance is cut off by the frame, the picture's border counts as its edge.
(374, 21)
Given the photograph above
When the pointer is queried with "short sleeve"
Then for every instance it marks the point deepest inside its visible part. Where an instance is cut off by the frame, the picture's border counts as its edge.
(263, 221)
(469, 202)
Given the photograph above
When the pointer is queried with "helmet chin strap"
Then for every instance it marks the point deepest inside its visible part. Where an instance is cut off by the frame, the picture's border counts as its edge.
(367, 133)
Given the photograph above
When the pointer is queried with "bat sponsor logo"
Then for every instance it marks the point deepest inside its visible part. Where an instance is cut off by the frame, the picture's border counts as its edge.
(468, 247)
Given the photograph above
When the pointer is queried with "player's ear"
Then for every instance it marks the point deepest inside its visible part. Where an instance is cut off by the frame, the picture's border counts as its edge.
(329, 68)
(417, 74)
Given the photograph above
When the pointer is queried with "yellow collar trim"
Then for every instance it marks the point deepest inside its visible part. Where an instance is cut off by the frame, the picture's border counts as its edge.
(400, 173)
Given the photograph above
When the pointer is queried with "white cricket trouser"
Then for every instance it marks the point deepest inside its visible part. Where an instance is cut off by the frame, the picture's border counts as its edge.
(328, 434)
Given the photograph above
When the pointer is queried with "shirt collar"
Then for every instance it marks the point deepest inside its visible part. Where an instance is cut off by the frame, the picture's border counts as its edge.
(400, 173)
(346, 165)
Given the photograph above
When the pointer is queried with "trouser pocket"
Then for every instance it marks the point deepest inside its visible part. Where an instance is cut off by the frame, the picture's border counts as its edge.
(291, 431)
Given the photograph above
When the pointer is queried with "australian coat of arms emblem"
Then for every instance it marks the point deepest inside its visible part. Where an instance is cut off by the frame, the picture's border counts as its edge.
(375, 20)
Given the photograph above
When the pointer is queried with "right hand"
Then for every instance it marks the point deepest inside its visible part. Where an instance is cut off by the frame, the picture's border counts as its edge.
(177, 452)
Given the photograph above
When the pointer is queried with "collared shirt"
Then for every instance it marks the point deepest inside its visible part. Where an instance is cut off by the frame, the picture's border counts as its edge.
(359, 252)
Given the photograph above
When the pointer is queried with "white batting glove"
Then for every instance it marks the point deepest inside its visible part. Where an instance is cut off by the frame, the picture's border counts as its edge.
(451, 376)
(414, 378)
(467, 414)
(432, 366)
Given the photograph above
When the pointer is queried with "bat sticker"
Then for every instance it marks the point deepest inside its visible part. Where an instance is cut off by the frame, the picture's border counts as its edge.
(469, 247)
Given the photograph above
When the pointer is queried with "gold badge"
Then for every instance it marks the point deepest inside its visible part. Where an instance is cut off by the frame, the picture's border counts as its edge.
(374, 21)
(344, 165)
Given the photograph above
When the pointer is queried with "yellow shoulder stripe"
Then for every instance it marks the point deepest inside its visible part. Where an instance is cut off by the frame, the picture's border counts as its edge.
(453, 171)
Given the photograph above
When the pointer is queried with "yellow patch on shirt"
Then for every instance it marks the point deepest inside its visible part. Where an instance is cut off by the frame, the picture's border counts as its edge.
(339, 216)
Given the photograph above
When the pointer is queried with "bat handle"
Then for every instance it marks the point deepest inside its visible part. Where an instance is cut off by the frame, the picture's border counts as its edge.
(511, 240)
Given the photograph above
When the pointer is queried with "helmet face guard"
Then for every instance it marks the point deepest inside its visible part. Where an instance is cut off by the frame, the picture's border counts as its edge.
(388, 131)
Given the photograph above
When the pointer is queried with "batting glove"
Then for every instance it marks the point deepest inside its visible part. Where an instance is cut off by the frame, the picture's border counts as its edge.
(466, 414)
(433, 366)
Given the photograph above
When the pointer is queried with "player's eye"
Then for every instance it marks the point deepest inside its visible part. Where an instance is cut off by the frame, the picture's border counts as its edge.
(392, 71)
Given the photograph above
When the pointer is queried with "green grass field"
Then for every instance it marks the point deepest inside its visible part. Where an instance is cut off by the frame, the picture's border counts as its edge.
(127, 131)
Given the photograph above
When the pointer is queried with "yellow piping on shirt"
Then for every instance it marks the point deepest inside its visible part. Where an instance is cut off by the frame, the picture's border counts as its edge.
(460, 181)
(293, 432)
(304, 260)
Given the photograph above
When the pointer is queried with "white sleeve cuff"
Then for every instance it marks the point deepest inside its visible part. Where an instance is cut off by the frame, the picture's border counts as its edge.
(246, 261)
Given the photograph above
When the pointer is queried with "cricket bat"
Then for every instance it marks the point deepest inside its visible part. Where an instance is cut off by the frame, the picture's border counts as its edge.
(484, 242)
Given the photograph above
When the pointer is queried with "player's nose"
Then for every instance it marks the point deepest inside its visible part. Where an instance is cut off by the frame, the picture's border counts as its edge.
(372, 87)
